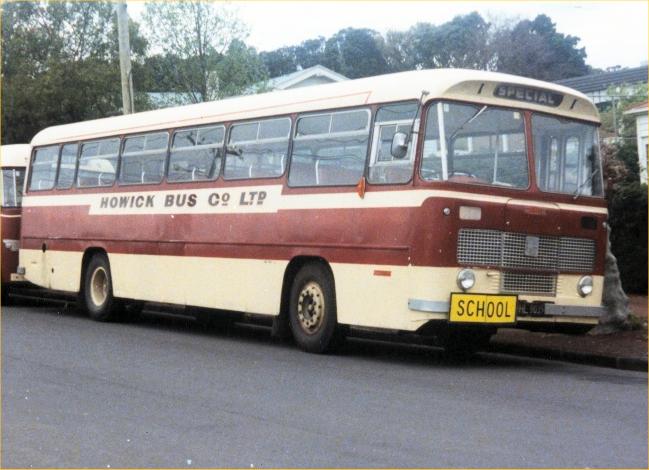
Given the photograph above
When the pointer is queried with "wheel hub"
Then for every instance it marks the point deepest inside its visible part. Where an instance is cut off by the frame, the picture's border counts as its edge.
(99, 286)
(311, 307)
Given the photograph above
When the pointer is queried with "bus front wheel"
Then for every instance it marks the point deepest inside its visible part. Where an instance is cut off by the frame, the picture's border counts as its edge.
(98, 297)
(312, 313)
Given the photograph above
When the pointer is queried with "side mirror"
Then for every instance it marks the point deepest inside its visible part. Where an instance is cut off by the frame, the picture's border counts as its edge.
(399, 147)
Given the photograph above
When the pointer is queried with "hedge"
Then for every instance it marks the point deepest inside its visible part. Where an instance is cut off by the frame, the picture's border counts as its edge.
(627, 208)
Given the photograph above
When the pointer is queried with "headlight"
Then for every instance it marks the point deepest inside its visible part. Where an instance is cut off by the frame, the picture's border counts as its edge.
(465, 279)
(585, 286)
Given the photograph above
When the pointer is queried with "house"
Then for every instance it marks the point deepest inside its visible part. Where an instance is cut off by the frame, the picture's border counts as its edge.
(597, 85)
(168, 99)
(316, 75)
(640, 113)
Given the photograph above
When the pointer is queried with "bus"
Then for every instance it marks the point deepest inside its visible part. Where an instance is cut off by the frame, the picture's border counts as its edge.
(446, 203)
(13, 162)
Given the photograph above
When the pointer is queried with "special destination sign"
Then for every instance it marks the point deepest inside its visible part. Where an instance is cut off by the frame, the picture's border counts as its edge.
(528, 94)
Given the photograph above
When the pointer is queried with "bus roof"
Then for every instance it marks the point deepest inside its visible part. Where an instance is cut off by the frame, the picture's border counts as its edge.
(15, 155)
(459, 84)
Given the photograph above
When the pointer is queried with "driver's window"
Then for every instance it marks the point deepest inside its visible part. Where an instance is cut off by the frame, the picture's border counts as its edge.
(470, 143)
(384, 167)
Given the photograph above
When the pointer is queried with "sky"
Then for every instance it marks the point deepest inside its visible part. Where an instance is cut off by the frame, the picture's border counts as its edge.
(613, 32)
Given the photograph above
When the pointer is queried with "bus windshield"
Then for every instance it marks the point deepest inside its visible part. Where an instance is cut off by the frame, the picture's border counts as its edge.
(477, 144)
(12, 186)
(567, 156)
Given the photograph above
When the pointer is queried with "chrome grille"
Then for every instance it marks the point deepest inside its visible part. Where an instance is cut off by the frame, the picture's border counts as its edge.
(507, 250)
(523, 283)
(514, 252)
(577, 254)
(479, 247)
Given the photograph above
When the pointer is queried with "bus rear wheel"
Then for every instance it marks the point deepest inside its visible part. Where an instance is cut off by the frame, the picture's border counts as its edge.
(98, 299)
(312, 312)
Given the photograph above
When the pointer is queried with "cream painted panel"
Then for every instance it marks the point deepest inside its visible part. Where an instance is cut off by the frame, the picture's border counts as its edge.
(567, 291)
(58, 270)
(365, 299)
(231, 284)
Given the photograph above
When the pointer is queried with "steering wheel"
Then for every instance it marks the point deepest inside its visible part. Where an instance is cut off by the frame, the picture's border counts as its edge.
(465, 177)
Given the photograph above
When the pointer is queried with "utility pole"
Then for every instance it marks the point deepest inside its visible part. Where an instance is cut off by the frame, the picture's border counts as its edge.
(125, 58)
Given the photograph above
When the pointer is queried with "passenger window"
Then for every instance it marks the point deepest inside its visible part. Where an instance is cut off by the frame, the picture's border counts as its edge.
(384, 168)
(330, 149)
(143, 158)
(43, 172)
(258, 149)
(98, 163)
(67, 166)
(196, 154)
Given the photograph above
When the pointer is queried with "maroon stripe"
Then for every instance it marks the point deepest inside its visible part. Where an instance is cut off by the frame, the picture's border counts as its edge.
(421, 236)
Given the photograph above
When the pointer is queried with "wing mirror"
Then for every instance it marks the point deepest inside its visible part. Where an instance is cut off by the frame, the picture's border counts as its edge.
(399, 147)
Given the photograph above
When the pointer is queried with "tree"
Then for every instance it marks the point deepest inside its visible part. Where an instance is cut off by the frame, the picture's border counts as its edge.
(280, 61)
(59, 65)
(355, 53)
(200, 36)
(535, 49)
(240, 68)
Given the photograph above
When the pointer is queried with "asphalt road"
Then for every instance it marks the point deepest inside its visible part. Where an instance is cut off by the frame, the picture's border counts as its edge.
(166, 392)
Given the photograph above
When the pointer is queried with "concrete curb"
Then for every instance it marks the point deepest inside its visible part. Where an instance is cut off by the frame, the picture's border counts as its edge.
(624, 363)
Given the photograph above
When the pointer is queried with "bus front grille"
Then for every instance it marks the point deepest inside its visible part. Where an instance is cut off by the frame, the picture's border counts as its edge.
(494, 248)
(525, 283)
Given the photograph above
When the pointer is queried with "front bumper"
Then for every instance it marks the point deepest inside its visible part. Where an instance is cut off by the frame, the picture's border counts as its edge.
(551, 311)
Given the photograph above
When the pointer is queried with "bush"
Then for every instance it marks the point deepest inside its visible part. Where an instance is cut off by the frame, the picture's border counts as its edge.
(627, 208)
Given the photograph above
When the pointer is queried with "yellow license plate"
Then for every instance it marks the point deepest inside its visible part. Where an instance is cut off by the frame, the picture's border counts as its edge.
(483, 308)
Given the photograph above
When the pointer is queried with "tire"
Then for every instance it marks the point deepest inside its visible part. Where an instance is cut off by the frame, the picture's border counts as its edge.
(312, 310)
(97, 293)
(5, 300)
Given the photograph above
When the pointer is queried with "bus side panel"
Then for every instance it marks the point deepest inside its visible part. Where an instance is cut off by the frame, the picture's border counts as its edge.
(53, 269)
(244, 285)
(11, 233)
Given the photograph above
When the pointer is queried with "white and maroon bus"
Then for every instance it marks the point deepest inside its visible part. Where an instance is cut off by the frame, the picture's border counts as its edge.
(452, 200)
(13, 161)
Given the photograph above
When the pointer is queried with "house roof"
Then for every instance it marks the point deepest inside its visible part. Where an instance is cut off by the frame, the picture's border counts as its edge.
(285, 81)
(601, 81)
(641, 108)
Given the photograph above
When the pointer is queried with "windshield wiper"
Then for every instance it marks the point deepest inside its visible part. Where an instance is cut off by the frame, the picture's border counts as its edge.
(590, 178)
(468, 121)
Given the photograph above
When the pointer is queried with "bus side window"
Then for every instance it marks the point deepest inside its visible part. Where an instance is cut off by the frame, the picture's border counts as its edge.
(384, 168)
(67, 166)
(12, 186)
(43, 171)
(261, 147)
(196, 154)
(98, 163)
(330, 149)
(143, 158)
